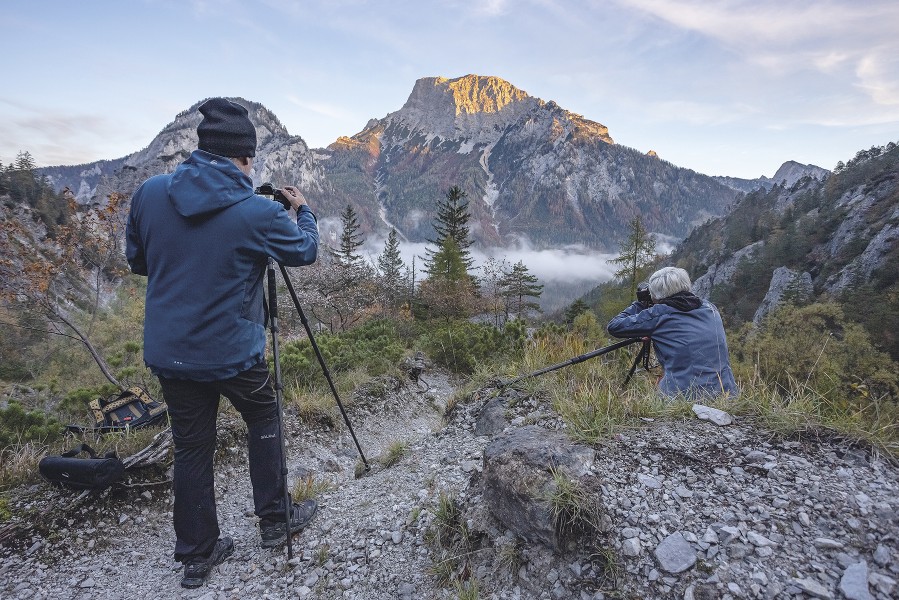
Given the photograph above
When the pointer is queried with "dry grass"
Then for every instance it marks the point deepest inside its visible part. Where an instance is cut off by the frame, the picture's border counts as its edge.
(309, 487)
(394, 453)
(18, 464)
(574, 508)
(590, 397)
(312, 406)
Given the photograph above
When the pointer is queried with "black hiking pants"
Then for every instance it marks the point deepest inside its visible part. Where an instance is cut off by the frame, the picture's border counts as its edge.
(193, 408)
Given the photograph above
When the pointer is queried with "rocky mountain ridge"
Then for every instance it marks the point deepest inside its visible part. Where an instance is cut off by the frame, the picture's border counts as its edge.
(786, 175)
(533, 171)
(816, 238)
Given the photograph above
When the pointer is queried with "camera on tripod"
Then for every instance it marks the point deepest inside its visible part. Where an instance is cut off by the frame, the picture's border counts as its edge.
(643, 295)
(267, 189)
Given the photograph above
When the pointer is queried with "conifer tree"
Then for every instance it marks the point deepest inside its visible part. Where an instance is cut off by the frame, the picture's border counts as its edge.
(449, 292)
(577, 307)
(350, 239)
(636, 255)
(451, 222)
(391, 271)
(522, 289)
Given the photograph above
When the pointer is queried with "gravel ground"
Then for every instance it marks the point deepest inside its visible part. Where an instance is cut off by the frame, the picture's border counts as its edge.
(693, 511)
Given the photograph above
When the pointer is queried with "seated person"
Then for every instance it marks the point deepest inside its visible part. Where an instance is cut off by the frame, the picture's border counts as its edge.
(687, 334)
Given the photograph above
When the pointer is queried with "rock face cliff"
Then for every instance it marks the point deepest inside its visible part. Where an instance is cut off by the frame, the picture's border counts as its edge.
(531, 169)
(813, 239)
(788, 174)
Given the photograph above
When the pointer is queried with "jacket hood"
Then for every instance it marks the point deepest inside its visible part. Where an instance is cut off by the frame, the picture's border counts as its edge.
(206, 183)
(682, 301)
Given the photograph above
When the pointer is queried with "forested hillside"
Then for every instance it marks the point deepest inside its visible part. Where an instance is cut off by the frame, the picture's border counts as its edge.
(836, 239)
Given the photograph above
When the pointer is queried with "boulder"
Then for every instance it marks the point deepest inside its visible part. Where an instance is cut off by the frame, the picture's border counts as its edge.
(518, 479)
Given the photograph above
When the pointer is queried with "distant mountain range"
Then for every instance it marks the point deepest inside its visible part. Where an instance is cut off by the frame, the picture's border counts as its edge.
(532, 170)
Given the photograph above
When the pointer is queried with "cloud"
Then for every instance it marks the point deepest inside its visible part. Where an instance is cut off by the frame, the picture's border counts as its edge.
(786, 39)
(878, 74)
(325, 110)
(55, 138)
(564, 264)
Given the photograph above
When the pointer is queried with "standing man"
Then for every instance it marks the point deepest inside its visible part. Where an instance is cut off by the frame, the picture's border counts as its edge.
(203, 238)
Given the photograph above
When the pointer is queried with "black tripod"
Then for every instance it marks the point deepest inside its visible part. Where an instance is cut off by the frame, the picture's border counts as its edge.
(643, 356)
(273, 324)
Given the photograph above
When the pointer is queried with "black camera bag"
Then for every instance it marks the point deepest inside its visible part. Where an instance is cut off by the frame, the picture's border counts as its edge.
(92, 473)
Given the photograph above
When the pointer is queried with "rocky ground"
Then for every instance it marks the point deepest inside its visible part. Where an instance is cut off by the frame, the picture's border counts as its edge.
(689, 509)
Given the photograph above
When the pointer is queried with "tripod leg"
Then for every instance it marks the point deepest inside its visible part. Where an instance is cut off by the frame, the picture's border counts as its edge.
(279, 397)
(643, 355)
(321, 362)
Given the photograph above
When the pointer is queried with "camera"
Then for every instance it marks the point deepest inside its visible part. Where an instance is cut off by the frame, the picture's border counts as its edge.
(643, 294)
(267, 189)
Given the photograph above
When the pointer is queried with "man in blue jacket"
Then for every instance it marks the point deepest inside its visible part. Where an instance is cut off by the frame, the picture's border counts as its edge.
(687, 335)
(203, 238)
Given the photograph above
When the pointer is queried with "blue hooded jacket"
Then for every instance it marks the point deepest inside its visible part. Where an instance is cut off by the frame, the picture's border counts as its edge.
(203, 238)
(689, 344)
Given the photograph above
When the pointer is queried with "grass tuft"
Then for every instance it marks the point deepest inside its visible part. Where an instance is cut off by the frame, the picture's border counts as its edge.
(394, 453)
(309, 487)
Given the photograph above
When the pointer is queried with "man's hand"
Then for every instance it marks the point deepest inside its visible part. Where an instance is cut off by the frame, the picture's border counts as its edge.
(294, 196)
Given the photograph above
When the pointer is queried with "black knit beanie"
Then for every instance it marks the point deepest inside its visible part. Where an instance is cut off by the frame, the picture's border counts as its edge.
(226, 129)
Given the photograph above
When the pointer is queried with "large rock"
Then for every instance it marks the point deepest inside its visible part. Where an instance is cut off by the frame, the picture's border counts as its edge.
(721, 273)
(786, 284)
(518, 477)
(854, 583)
(675, 554)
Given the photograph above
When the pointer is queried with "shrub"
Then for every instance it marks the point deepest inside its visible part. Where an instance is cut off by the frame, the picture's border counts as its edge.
(76, 401)
(462, 345)
(374, 347)
(816, 346)
(18, 426)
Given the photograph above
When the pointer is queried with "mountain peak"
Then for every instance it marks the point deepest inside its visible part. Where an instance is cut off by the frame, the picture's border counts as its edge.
(473, 93)
(791, 171)
(464, 107)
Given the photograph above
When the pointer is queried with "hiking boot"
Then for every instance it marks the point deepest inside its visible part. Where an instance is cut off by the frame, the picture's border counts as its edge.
(274, 533)
(196, 570)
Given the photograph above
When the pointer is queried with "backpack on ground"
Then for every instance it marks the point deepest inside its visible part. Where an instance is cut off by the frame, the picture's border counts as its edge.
(131, 409)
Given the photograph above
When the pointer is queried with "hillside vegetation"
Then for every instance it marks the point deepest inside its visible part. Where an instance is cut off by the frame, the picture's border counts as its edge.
(843, 232)
(818, 352)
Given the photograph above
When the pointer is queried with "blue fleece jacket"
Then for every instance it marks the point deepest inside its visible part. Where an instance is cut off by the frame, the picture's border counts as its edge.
(690, 345)
(203, 238)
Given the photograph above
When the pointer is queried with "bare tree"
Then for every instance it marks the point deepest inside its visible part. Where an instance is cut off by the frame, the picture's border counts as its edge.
(65, 277)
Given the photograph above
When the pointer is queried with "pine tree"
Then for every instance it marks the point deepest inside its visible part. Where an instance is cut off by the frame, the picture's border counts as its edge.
(577, 307)
(635, 256)
(449, 292)
(391, 271)
(448, 263)
(519, 286)
(350, 239)
(451, 222)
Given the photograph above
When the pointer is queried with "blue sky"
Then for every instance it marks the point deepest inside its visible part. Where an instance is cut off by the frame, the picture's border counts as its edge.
(725, 88)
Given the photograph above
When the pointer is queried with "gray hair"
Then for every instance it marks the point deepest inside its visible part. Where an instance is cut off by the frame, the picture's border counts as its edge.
(668, 281)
